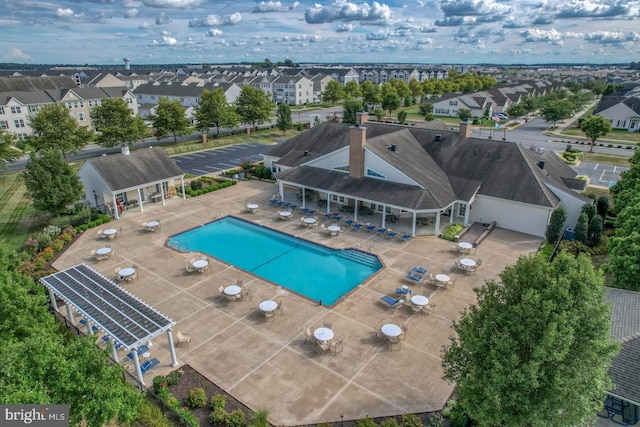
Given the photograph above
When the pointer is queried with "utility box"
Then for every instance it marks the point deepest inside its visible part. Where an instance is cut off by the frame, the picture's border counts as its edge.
(569, 234)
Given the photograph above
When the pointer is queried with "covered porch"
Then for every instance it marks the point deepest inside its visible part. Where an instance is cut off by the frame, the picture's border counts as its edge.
(367, 211)
(136, 197)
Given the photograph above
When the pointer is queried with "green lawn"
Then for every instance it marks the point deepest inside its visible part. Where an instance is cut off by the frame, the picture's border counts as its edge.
(607, 159)
(616, 135)
(18, 219)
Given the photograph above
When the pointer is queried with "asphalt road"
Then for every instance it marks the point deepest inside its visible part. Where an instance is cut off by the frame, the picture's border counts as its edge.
(600, 175)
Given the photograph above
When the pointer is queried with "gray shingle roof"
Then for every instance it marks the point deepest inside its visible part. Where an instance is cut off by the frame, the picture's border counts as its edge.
(18, 84)
(141, 167)
(625, 312)
(450, 169)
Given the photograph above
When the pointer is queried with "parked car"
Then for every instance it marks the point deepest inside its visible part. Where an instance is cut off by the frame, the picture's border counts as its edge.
(503, 116)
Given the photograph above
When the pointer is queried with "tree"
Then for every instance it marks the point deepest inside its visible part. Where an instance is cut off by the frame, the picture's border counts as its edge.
(333, 92)
(464, 114)
(253, 106)
(213, 110)
(595, 127)
(582, 228)
(54, 128)
(426, 110)
(7, 152)
(402, 116)
(624, 253)
(517, 110)
(535, 349)
(416, 90)
(115, 124)
(602, 206)
(370, 93)
(350, 110)
(553, 111)
(379, 113)
(556, 224)
(595, 230)
(62, 370)
(284, 121)
(51, 183)
(352, 89)
(390, 102)
(170, 119)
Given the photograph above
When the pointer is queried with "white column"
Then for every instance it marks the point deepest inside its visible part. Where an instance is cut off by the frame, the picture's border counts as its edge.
(328, 203)
(184, 195)
(413, 223)
(140, 199)
(437, 224)
(384, 217)
(304, 200)
(356, 205)
(451, 213)
(116, 211)
(280, 190)
(52, 299)
(89, 327)
(114, 352)
(164, 202)
(136, 362)
(172, 349)
(466, 216)
(70, 315)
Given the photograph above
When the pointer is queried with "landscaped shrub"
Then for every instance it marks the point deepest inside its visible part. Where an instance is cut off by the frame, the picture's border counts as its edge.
(436, 420)
(389, 422)
(410, 420)
(546, 251)
(57, 245)
(150, 415)
(236, 418)
(452, 231)
(218, 401)
(196, 184)
(159, 382)
(92, 224)
(218, 417)
(366, 422)
(174, 376)
(196, 398)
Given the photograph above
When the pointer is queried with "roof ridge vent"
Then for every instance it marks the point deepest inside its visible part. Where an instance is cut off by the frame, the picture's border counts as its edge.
(438, 137)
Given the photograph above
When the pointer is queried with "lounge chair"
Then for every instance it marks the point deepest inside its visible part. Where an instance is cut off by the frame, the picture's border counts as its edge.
(327, 215)
(420, 270)
(381, 231)
(392, 302)
(183, 338)
(413, 277)
(107, 341)
(143, 349)
(370, 228)
(403, 291)
(357, 226)
(348, 221)
(148, 365)
(405, 237)
(391, 234)
(337, 218)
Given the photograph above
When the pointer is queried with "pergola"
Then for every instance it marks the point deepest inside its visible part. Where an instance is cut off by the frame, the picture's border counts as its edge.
(124, 318)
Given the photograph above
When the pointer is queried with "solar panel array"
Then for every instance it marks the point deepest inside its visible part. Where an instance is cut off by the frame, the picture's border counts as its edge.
(121, 315)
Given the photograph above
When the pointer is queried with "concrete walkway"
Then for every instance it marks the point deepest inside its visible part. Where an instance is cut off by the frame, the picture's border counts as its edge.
(267, 364)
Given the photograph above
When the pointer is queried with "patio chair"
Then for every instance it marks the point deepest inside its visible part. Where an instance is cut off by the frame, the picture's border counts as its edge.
(269, 315)
(419, 270)
(101, 234)
(336, 346)
(479, 263)
(417, 308)
(182, 338)
(405, 237)
(404, 329)
(189, 267)
(391, 234)
(279, 307)
(403, 291)
(394, 343)
(321, 347)
(392, 303)
(119, 278)
(370, 228)
(230, 298)
(413, 277)
(357, 226)
(309, 336)
(381, 231)
(148, 365)
(221, 290)
(240, 282)
(246, 292)
(327, 325)
(430, 308)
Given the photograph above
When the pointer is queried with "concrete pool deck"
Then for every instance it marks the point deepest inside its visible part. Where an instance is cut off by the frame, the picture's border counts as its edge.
(266, 363)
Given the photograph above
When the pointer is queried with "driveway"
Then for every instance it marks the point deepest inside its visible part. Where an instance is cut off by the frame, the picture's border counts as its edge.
(600, 175)
(268, 364)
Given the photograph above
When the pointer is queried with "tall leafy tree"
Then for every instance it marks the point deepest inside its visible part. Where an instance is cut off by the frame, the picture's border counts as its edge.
(556, 224)
(213, 110)
(253, 106)
(416, 90)
(535, 349)
(42, 366)
(464, 114)
(284, 121)
(169, 119)
(333, 92)
(426, 110)
(390, 102)
(556, 110)
(595, 127)
(7, 151)
(350, 110)
(370, 93)
(582, 228)
(352, 89)
(53, 128)
(115, 124)
(51, 183)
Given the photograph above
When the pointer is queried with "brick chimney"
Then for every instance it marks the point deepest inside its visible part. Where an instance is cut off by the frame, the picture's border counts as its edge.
(362, 117)
(357, 141)
(465, 129)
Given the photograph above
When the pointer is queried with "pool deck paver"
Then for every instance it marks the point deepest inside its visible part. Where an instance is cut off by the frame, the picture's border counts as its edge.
(266, 363)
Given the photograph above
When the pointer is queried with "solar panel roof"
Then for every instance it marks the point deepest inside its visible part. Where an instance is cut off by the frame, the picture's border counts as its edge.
(122, 316)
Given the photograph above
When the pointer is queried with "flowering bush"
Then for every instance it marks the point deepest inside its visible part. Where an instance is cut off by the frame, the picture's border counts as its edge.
(57, 245)
(51, 230)
(31, 246)
(47, 253)
(39, 262)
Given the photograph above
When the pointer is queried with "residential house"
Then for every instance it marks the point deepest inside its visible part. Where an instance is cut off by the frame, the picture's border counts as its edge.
(188, 94)
(622, 403)
(130, 179)
(292, 90)
(320, 82)
(16, 107)
(422, 178)
(623, 112)
(449, 104)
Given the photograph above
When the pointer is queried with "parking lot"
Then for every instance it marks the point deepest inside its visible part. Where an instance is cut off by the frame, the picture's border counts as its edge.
(211, 161)
(600, 175)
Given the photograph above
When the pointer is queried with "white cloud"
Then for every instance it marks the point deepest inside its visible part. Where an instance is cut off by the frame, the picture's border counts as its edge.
(145, 26)
(178, 4)
(343, 28)
(612, 37)
(382, 34)
(66, 13)
(341, 10)
(216, 20)
(166, 41)
(163, 19)
(539, 35)
(274, 6)
(131, 13)
(17, 54)
(214, 32)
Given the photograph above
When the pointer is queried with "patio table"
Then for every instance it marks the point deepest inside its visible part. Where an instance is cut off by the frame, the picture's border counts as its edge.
(232, 290)
(268, 305)
(103, 251)
(467, 262)
(333, 229)
(110, 232)
(309, 221)
(285, 214)
(200, 264)
(419, 300)
(323, 334)
(252, 207)
(442, 278)
(391, 330)
(153, 224)
(126, 272)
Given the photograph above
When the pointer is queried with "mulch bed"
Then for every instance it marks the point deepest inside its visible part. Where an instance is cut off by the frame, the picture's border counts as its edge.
(192, 379)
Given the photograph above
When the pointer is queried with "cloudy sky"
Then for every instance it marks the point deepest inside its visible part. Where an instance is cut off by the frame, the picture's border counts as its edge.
(394, 31)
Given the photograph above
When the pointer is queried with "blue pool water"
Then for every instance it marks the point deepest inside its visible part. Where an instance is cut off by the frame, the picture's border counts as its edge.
(312, 270)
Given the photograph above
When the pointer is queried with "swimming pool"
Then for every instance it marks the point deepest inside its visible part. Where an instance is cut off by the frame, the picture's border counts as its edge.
(314, 271)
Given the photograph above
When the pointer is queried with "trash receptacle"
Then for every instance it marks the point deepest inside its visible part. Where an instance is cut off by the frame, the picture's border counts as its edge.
(569, 234)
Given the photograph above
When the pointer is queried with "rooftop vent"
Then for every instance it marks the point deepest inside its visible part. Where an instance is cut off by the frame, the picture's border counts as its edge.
(541, 164)
(306, 153)
(438, 137)
(393, 148)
